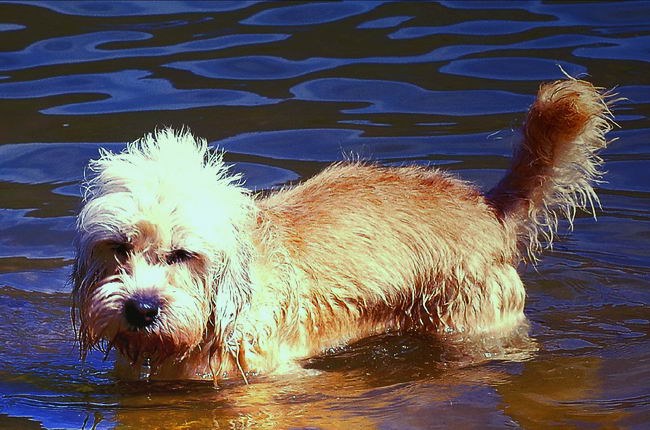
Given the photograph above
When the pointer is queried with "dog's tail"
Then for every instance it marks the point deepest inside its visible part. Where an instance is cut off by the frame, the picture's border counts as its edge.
(553, 169)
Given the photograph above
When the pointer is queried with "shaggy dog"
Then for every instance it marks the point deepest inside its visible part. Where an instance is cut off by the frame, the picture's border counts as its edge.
(189, 275)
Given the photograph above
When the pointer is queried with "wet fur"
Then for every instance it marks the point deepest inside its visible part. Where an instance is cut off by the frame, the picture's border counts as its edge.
(355, 251)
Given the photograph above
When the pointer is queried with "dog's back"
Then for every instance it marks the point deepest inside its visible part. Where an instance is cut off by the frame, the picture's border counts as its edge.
(399, 248)
(376, 249)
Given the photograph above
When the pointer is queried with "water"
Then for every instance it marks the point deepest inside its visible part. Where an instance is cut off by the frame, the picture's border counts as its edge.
(145, 371)
(287, 88)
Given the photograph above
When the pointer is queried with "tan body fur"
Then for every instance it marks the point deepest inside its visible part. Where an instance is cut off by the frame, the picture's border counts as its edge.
(355, 251)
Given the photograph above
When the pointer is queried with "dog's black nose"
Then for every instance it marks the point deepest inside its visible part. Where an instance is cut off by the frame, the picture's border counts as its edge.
(141, 311)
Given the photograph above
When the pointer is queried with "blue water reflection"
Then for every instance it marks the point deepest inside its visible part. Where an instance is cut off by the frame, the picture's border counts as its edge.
(128, 90)
(11, 27)
(620, 49)
(479, 28)
(399, 97)
(256, 67)
(333, 144)
(131, 8)
(87, 47)
(266, 67)
(607, 14)
(310, 14)
(518, 68)
(57, 163)
(36, 163)
(388, 22)
(286, 88)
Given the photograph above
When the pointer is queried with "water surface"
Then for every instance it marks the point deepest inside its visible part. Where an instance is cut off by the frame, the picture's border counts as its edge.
(288, 88)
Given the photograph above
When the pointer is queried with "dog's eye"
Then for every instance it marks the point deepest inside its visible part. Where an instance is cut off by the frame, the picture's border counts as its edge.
(178, 256)
(120, 249)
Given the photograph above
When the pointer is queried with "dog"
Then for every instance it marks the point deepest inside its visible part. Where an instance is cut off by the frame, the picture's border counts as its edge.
(189, 275)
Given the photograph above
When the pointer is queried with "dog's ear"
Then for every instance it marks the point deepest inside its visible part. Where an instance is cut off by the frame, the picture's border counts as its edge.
(93, 261)
(83, 275)
(231, 287)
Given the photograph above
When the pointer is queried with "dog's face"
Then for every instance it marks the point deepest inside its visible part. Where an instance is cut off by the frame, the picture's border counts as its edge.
(161, 264)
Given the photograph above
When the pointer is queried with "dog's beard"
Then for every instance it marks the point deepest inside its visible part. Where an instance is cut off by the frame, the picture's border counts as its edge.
(179, 328)
(200, 302)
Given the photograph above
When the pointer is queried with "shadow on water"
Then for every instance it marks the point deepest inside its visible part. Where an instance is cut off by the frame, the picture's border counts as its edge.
(287, 88)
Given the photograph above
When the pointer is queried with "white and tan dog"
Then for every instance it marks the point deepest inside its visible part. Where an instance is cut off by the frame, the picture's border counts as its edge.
(181, 268)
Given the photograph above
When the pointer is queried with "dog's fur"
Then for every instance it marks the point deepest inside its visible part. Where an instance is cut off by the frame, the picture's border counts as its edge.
(252, 284)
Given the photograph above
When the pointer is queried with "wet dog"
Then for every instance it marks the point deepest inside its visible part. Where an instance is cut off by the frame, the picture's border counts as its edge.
(189, 275)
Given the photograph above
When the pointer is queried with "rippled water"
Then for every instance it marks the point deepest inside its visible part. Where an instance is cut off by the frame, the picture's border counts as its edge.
(287, 88)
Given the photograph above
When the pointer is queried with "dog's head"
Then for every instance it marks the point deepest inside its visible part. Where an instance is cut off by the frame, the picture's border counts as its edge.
(161, 249)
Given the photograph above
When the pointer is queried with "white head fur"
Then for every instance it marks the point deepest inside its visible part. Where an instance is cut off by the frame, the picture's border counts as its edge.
(164, 219)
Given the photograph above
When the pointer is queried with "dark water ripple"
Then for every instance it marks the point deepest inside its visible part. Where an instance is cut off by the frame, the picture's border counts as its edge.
(399, 97)
(127, 91)
(286, 88)
(128, 8)
(88, 47)
(309, 14)
(474, 28)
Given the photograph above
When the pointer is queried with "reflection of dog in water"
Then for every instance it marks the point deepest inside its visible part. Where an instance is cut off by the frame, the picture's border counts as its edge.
(188, 275)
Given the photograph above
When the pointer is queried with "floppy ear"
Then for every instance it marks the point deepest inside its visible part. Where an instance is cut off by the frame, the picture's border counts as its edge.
(90, 266)
(231, 288)
(85, 272)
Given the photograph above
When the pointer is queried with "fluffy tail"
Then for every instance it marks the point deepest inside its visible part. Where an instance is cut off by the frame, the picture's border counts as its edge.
(555, 166)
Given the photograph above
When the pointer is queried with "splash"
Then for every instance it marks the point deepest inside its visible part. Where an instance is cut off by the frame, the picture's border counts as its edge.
(145, 369)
